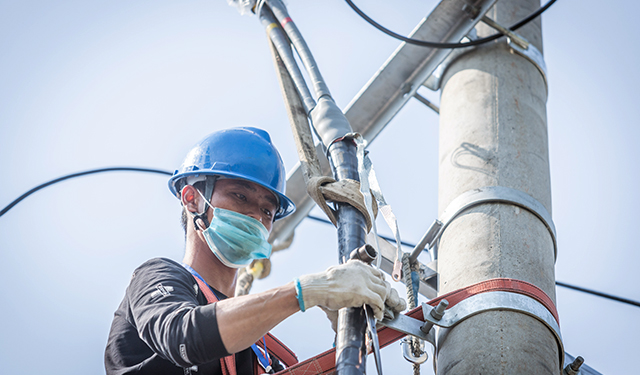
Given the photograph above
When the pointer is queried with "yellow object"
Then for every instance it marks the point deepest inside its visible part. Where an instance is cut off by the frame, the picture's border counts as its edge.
(271, 26)
(256, 269)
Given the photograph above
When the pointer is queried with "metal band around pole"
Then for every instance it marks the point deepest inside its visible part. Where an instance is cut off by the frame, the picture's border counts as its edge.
(492, 194)
(499, 301)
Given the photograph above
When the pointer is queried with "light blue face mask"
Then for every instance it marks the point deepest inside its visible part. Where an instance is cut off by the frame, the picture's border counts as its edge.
(236, 239)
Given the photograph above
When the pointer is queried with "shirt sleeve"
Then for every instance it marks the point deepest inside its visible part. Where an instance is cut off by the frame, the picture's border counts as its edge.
(164, 308)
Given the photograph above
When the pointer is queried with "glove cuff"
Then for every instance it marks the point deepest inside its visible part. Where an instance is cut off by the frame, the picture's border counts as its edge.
(299, 296)
(312, 289)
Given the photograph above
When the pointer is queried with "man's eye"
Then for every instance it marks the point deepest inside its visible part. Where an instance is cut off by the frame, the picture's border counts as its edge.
(241, 197)
(267, 212)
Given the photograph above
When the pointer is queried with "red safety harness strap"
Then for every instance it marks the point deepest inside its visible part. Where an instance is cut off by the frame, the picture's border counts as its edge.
(279, 350)
(325, 363)
(274, 346)
(228, 363)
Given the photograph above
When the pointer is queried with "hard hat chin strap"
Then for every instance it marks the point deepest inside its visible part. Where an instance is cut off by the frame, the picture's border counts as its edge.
(210, 183)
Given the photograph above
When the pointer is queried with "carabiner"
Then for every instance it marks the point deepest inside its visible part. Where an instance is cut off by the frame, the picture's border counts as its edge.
(407, 353)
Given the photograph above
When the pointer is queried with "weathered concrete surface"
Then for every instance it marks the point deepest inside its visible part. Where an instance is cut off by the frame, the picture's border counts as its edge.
(493, 132)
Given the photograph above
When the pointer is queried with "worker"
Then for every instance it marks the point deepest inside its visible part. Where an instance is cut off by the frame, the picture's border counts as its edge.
(182, 318)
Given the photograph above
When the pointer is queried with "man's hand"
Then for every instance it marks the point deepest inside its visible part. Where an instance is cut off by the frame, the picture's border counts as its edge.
(351, 284)
(393, 306)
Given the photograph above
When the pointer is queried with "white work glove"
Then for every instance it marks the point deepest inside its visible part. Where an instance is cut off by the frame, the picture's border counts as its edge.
(393, 305)
(351, 284)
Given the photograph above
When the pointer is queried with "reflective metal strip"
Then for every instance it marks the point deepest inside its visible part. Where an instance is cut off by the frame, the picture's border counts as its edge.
(498, 301)
(534, 56)
(493, 194)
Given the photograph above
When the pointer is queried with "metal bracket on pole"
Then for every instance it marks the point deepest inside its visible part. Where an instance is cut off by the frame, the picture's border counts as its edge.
(409, 326)
(521, 46)
(498, 301)
(490, 194)
(518, 44)
(517, 39)
(533, 55)
(476, 304)
(434, 81)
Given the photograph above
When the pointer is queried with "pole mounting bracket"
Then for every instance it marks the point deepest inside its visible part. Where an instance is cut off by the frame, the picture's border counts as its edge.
(497, 300)
(518, 45)
(475, 197)
(473, 305)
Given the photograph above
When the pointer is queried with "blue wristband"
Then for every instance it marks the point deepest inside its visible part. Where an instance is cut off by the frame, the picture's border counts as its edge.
(296, 282)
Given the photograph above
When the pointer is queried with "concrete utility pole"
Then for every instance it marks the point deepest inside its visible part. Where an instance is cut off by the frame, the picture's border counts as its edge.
(493, 132)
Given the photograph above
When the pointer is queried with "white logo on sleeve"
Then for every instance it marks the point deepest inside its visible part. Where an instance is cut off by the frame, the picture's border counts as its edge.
(162, 290)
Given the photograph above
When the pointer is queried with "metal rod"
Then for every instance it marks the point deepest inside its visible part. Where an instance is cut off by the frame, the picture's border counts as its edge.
(510, 34)
(427, 102)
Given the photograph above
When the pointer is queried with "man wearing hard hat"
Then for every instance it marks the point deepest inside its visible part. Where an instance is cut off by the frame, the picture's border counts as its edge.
(177, 318)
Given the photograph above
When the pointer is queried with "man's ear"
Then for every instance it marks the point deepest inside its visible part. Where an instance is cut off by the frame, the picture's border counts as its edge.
(190, 199)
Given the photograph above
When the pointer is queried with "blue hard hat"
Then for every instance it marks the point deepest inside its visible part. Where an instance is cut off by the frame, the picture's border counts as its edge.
(245, 153)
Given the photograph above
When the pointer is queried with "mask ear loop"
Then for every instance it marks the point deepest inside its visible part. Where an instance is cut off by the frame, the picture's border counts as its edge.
(208, 192)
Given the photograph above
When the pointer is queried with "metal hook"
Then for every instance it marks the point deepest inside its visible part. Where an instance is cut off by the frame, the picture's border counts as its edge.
(407, 353)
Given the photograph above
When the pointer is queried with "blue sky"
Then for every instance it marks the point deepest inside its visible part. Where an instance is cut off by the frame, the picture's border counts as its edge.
(85, 85)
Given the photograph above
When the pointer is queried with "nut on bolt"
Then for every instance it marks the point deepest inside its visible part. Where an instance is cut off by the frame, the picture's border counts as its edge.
(436, 313)
(574, 367)
(365, 253)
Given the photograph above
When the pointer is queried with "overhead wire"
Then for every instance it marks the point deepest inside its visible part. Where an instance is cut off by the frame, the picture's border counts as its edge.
(316, 218)
(599, 294)
(424, 43)
(92, 171)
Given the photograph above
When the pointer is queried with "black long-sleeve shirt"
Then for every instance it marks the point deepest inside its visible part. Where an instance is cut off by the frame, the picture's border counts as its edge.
(164, 326)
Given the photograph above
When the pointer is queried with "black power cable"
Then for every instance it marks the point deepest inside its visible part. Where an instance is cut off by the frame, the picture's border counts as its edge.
(425, 43)
(558, 283)
(112, 169)
(599, 294)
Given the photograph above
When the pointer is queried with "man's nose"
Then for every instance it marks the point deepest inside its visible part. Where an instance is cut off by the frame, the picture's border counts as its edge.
(254, 213)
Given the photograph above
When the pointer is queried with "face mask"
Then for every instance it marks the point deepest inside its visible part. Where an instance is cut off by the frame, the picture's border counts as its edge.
(236, 239)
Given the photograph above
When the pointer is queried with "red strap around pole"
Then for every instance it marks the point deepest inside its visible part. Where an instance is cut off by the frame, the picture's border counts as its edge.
(325, 363)
(499, 285)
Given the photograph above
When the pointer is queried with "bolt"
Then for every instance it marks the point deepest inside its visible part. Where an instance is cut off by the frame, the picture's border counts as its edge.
(406, 88)
(438, 312)
(471, 10)
(574, 367)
